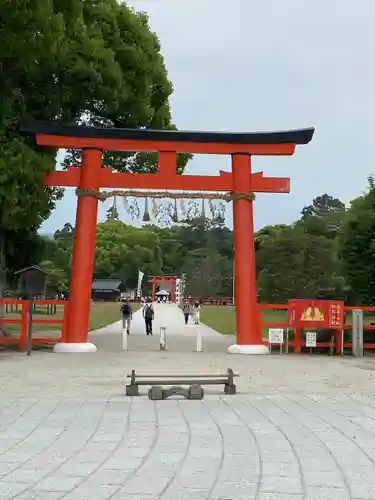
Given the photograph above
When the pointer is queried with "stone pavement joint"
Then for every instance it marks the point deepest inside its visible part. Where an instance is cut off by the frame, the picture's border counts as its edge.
(240, 448)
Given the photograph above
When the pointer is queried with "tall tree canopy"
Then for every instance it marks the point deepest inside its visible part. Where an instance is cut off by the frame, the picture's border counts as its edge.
(292, 262)
(322, 206)
(357, 247)
(76, 61)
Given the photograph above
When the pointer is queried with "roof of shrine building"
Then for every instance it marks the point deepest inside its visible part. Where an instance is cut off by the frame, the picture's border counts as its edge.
(31, 268)
(296, 136)
(109, 284)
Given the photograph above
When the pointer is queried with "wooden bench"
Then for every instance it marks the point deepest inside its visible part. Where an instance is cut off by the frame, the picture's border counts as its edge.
(195, 383)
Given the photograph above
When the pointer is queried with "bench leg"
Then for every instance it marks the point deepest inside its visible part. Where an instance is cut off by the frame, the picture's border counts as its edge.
(195, 392)
(230, 389)
(132, 390)
(156, 393)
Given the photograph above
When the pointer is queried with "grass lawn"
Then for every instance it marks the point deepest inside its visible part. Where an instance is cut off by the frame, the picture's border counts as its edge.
(101, 314)
(223, 318)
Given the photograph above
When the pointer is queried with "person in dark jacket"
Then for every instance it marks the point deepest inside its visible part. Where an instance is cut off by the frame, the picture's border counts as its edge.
(148, 314)
(186, 310)
(127, 315)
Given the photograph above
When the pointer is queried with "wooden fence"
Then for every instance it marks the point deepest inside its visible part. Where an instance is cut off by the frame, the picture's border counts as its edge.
(22, 308)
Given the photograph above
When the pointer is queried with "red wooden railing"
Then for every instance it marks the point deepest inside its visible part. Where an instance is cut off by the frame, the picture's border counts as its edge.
(37, 338)
(23, 321)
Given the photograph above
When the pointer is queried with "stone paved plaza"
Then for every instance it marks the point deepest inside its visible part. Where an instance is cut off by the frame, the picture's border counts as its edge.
(300, 427)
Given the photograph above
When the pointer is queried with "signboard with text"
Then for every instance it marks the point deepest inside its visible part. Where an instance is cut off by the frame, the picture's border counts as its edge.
(310, 339)
(316, 313)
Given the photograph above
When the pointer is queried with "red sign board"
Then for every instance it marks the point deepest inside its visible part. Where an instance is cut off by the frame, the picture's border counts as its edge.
(314, 313)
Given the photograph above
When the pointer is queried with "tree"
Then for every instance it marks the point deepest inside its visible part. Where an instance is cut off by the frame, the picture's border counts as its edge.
(58, 249)
(208, 274)
(25, 250)
(201, 249)
(76, 62)
(57, 279)
(323, 205)
(324, 217)
(206, 256)
(122, 250)
(262, 238)
(294, 263)
(357, 247)
(171, 248)
(134, 91)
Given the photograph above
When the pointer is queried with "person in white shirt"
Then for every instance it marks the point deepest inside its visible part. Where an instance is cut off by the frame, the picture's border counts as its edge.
(196, 313)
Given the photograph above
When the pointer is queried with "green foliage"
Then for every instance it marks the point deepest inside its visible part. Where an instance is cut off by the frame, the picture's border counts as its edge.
(330, 254)
(57, 280)
(32, 247)
(322, 206)
(302, 260)
(77, 62)
(357, 247)
(128, 73)
(295, 263)
(134, 249)
(121, 250)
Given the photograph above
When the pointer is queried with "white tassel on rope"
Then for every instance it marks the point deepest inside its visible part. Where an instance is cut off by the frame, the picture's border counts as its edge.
(163, 338)
(199, 340)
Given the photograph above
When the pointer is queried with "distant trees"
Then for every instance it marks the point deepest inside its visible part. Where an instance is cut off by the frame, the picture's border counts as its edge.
(302, 259)
(292, 262)
(329, 252)
(357, 247)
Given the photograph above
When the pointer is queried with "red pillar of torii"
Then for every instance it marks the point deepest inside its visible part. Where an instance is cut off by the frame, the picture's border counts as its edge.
(170, 280)
(91, 176)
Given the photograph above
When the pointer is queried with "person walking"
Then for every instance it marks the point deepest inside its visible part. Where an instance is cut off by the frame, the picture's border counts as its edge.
(127, 316)
(196, 313)
(148, 314)
(186, 310)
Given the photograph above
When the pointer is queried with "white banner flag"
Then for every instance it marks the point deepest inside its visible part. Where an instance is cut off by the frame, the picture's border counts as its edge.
(139, 287)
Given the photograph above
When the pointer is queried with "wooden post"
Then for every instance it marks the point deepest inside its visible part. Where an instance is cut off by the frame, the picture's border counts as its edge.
(173, 290)
(30, 327)
(339, 341)
(24, 325)
(298, 340)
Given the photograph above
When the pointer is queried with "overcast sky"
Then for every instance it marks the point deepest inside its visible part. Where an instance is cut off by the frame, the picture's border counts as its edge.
(249, 65)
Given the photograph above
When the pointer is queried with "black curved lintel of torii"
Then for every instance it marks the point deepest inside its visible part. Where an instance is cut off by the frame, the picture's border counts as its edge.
(296, 136)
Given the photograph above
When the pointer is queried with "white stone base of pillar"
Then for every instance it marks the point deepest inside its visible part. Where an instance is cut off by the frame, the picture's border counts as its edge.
(65, 347)
(248, 349)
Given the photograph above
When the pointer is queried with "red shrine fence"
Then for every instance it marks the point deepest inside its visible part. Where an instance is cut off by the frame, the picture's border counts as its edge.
(49, 335)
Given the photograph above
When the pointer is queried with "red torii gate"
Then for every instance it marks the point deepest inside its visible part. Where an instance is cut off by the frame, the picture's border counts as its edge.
(171, 280)
(241, 182)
